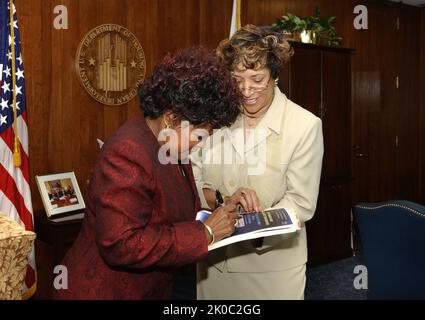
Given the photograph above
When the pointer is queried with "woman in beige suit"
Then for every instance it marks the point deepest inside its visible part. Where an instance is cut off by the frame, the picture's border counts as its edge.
(270, 157)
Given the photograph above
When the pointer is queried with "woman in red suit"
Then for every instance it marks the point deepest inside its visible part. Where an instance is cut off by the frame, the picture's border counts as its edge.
(139, 228)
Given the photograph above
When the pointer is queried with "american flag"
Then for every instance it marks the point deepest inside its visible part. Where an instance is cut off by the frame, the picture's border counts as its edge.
(15, 194)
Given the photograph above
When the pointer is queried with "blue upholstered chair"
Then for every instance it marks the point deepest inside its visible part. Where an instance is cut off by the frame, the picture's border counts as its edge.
(392, 235)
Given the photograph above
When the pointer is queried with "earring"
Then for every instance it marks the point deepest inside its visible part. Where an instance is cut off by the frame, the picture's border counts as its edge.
(276, 82)
(167, 127)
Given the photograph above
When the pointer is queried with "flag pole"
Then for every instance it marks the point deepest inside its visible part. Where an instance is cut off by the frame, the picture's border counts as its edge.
(235, 23)
(238, 14)
(16, 151)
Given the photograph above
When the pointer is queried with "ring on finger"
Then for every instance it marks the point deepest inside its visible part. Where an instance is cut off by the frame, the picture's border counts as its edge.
(236, 223)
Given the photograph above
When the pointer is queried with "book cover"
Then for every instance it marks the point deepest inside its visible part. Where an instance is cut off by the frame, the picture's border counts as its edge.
(253, 225)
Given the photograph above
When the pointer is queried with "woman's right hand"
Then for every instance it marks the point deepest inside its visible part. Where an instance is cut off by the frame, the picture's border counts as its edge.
(222, 222)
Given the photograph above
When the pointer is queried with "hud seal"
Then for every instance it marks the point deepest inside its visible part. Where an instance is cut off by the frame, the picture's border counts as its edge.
(111, 64)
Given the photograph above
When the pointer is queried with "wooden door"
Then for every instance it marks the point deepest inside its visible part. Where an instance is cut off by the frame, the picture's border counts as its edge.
(407, 108)
(421, 117)
(336, 114)
(374, 105)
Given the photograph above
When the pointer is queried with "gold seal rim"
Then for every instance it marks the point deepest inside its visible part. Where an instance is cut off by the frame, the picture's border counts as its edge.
(77, 63)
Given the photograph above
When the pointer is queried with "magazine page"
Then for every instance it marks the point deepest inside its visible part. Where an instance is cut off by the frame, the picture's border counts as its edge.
(253, 225)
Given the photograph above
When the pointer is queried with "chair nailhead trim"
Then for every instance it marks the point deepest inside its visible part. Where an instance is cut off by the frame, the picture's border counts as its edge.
(421, 214)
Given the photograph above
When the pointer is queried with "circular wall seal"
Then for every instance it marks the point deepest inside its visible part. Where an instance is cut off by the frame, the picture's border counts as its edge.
(111, 64)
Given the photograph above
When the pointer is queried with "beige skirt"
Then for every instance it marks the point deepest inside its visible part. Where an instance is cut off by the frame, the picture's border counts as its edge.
(213, 284)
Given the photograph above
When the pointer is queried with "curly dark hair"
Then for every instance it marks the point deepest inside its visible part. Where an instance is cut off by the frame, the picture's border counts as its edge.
(194, 86)
(256, 48)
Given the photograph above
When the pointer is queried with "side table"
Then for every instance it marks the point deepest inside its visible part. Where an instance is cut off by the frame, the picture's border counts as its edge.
(57, 234)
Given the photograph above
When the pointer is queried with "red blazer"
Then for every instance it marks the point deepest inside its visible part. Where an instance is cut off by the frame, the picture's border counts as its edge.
(139, 225)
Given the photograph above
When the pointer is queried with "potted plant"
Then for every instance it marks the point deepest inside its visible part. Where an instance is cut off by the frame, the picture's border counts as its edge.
(291, 25)
(327, 34)
(312, 29)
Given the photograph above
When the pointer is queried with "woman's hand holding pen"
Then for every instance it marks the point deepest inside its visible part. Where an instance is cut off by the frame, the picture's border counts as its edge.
(247, 198)
(222, 222)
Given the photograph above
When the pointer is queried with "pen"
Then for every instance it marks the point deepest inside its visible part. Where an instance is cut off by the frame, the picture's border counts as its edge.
(239, 210)
(219, 198)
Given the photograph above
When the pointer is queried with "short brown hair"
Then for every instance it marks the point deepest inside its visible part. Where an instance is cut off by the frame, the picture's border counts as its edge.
(256, 48)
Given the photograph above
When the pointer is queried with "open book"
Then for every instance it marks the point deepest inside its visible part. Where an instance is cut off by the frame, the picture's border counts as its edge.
(253, 225)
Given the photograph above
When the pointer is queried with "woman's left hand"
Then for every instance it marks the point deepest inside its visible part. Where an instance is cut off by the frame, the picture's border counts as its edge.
(247, 198)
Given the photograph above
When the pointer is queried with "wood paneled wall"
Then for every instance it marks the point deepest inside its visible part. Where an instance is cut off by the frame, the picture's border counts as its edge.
(64, 121)
(386, 128)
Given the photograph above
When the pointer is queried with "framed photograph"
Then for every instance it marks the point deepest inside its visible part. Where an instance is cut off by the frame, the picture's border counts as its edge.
(60, 194)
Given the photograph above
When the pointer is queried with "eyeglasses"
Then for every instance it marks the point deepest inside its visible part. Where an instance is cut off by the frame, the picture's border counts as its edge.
(257, 88)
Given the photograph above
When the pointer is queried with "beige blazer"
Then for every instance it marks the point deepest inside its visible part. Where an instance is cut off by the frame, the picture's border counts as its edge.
(281, 160)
